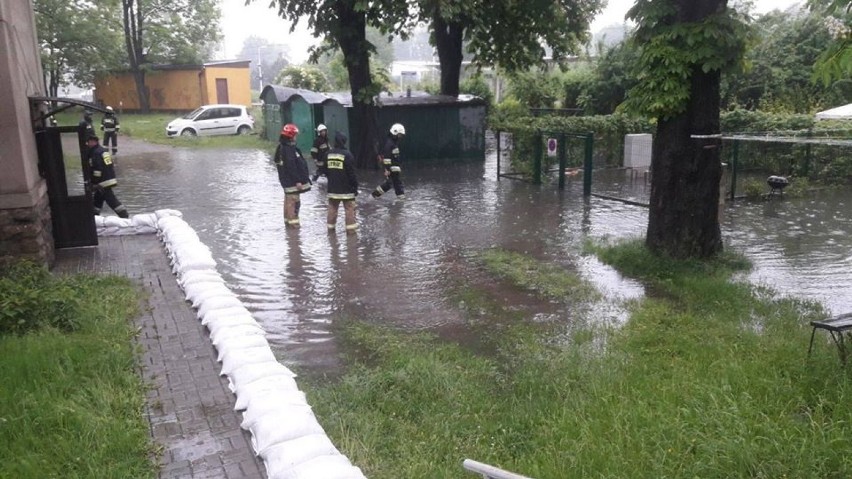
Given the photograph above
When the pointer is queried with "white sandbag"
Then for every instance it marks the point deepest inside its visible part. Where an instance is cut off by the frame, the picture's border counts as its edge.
(144, 220)
(99, 221)
(219, 303)
(239, 357)
(199, 276)
(286, 455)
(164, 213)
(274, 428)
(198, 293)
(252, 372)
(115, 221)
(194, 290)
(193, 261)
(109, 231)
(268, 385)
(226, 332)
(269, 402)
(334, 466)
(252, 341)
(144, 230)
(230, 316)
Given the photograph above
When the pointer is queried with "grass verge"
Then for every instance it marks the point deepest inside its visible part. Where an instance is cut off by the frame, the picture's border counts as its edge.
(709, 379)
(71, 402)
(151, 128)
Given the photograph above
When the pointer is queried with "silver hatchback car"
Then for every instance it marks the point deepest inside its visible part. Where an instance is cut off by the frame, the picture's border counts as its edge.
(211, 120)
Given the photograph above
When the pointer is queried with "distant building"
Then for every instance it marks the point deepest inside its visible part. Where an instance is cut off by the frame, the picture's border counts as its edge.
(178, 87)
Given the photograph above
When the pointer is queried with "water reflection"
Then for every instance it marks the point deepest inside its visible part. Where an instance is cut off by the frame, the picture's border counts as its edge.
(410, 258)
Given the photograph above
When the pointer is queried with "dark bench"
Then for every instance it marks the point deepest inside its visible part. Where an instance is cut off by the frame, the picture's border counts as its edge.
(836, 327)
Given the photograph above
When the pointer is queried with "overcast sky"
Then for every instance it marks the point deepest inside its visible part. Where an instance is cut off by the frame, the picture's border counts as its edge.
(240, 21)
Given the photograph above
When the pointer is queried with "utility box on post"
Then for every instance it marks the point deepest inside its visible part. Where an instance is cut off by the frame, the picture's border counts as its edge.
(637, 150)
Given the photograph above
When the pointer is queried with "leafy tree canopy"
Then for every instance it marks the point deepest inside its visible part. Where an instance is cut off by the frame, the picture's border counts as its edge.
(836, 62)
(514, 34)
(306, 77)
(671, 51)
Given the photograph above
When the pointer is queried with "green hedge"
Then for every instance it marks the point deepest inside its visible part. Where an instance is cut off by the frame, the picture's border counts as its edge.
(827, 164)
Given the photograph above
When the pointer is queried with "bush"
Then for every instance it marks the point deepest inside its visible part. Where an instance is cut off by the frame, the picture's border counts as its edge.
(32, 299)
(476, 85)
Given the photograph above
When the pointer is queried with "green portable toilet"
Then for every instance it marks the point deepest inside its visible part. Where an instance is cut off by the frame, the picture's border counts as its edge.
(437, 127)
(304, 108)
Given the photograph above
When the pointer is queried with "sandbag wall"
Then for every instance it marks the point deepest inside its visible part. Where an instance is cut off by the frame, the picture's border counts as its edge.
(284, 431)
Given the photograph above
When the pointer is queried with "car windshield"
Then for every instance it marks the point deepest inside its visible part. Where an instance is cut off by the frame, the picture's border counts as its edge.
(192, 115)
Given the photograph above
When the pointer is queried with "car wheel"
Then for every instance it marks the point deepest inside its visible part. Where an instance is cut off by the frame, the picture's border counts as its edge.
(188, 132)
(243, 130)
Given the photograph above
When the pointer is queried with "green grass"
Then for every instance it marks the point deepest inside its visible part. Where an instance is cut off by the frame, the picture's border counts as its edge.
(707, 379)
(152, 128)
(547, 280)
(71, 403)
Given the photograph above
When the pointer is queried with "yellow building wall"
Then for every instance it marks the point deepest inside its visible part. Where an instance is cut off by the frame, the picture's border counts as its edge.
(177, 90)
(117, 91)
(239, 90)
(167, 90)
(174, 89)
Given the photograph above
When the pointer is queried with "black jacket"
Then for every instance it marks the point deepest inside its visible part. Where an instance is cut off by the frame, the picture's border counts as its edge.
(390, 153)
(320, 149)
(340, 171)
(100, 167)
(292, 167)
(109, 123)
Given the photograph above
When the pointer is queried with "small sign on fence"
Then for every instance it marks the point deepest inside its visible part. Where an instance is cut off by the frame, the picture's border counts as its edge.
(551, 147)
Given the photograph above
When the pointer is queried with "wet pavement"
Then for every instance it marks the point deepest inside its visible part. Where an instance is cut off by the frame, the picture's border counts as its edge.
(408, 260)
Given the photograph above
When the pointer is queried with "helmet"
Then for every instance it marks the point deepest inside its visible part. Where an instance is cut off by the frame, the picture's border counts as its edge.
(109, 109)
(290, 130)
(397, 129)
(321, 127)
(340, 139)
(92, 138)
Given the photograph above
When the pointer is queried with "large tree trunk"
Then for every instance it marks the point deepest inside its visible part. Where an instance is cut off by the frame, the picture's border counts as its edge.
(685, 168)
(133, 28)
(352, 39)
(448, 42)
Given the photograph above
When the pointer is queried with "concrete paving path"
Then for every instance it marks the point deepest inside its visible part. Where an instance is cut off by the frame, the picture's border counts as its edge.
(189, 405)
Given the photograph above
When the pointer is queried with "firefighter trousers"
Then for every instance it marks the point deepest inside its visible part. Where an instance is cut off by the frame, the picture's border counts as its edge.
(102, 194)
(292, 204)
(393, 180)
(113, 137)
(348, 214)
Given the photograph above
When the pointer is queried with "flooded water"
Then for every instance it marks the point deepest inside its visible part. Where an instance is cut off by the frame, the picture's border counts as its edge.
(410, 260)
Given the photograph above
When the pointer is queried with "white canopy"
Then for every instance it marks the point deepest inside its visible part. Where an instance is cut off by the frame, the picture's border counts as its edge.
(840, 113)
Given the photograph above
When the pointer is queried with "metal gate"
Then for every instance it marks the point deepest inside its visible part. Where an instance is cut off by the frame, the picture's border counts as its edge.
(69, 188)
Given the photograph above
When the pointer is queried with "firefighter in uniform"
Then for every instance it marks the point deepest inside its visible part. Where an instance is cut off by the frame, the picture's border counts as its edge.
(292, 173)
(103, 178)
(88, 130)
(390, 160)
(319, 151)
(110, 127)
(342, 184)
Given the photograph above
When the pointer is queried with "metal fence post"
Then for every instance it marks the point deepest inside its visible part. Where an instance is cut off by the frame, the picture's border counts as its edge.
(537, 152)
(734, 167)
(562, 151)
(587, 164)
(498, 155)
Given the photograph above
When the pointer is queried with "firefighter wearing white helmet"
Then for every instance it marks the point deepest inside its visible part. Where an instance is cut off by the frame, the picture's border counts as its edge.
(390, 160)
(319, 151)
(110, 127)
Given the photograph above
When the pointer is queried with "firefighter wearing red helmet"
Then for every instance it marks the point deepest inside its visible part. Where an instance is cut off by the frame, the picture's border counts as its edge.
(292, 173)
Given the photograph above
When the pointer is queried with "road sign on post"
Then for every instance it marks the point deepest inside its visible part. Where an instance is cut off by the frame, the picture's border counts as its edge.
(551, 147)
